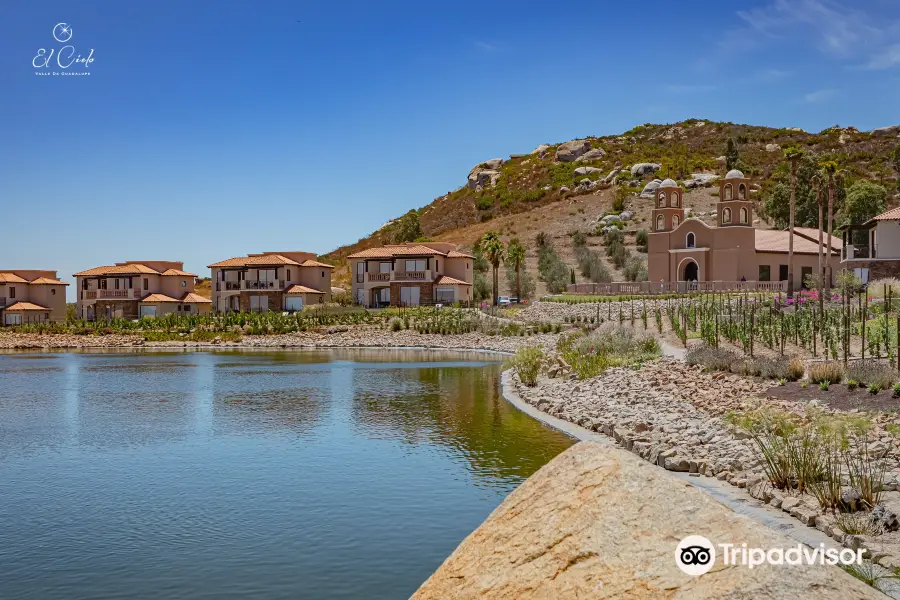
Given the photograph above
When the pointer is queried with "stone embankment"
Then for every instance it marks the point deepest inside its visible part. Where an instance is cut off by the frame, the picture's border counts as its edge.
(672, 415)
(597, 522)
(335, 337)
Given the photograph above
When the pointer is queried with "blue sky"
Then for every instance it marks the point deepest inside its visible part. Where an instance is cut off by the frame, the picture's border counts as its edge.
(212, 129)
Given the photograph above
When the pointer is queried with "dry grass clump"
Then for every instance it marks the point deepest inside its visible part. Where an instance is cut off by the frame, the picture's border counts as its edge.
(871, 373)
(711, 359)
(720, 359)
(826, 372)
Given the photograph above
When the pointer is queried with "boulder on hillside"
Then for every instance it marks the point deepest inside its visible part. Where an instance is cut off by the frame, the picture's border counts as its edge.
(699, 180)
(650, 188)
(481, 178)
(571, 150)
(641, 169)
(890, 130)
(772, 147)
(591, 155)
(582, 171)
(541, 150)
(492, 164)
(600, 522)
(626, 215)
(612, 174)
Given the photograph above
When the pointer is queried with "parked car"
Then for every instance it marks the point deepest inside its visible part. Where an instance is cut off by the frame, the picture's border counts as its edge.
(503, 301)
(513, 300)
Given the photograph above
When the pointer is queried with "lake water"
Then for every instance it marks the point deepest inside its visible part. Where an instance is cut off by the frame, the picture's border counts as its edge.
(296, 474)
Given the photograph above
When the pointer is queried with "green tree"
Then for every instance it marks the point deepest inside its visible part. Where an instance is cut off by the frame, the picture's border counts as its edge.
(481, 289)
(793, 154)
(407, 228)
(775, 205)
(864, 201)
(515, 258)
(895, 162)
(520, 280)
(732, 156)
(493, 249)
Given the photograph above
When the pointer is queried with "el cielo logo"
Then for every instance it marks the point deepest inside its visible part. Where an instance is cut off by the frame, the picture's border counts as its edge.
(64, 60)
(695, 555)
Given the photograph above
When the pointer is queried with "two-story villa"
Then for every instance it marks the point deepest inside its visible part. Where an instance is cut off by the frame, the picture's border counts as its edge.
(135, 289)
(31, 296)
(276, 281)
(872, 250)
(411, 274)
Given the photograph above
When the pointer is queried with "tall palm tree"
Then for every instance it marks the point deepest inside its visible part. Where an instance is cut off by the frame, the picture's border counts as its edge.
(817, 181)
(493, 249)
(831, 170)
(793, 154)
(515, 256)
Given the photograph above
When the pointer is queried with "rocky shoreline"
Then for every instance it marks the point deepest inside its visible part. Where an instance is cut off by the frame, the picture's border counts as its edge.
(339, 337)
(672, 415)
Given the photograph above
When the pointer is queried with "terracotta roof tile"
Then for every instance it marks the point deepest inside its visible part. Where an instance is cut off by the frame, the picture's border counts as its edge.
(263, 260)
(777, 241)
(178, 273)
(129, 269)
(891, 215)
(397, 250)
(813, 234)
(11, 278)
(315, 263)
(26, 306)
(48, 281)
(445, 280)
(154, 298)
(458, 254)
(302, 289)
(192, 298)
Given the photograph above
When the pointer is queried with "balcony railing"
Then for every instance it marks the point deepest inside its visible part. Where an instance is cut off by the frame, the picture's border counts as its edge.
(852, 252)
(231, 285)
(379, 276)
(126, 293)
(410, 275)
(262, 285)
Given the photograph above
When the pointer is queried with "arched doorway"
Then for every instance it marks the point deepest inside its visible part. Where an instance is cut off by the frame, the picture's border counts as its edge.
(691, 271)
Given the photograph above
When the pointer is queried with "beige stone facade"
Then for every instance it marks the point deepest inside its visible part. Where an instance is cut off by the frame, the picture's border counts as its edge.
(411, 275)
(135, 289)
(270, 281)
(689, 250)
(31, 296)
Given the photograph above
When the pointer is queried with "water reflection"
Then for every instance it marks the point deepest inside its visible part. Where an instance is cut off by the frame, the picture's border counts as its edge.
(285, 474)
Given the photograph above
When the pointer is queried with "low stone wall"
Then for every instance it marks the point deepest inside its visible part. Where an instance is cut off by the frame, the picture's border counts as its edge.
(597, 522)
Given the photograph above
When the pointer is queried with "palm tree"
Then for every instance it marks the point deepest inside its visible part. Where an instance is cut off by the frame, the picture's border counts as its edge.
(817, 186)
(515, 255)
(493, 249)
(831, 170)
(793, 154)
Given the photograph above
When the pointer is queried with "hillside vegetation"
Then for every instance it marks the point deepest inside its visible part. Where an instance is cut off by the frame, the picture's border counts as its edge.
(542, 191)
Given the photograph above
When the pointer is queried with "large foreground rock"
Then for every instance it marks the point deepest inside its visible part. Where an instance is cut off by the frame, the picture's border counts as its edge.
(598, 522)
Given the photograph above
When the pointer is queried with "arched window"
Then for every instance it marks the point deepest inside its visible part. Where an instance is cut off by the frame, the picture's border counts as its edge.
(726, 215)
(743, 215)
(742, 192)
(691, 241)
(661, 200)
(675, 221)
(727, 192)
(660, 222)
(676, 202)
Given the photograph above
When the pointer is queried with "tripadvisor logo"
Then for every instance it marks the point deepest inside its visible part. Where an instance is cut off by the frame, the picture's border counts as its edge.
(64, 59)
(696, 555)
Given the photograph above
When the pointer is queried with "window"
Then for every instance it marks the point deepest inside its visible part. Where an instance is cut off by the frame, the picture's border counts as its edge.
(288, 274)
(52, 291)
(743, 215)
(661, 201)
(675, 221)
(660, 223)
(117, 283)
(266, 274)
(12, 292)
(384, 295)
(726, 215)
(765, 273)
(415, 265)
(360, 270)
(437, 265)
(147, 281)
(691, 241)
(409, 296)
(102, 284)
(323, 273)
(742, 192)
(384, 267)
(675, 200)
(727, 192)
(183, 283)
(862, 274)
(259, 303)
(782, 272)
(446, 295)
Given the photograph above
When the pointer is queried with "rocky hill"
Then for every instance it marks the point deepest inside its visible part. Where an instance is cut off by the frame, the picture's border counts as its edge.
(566, 187)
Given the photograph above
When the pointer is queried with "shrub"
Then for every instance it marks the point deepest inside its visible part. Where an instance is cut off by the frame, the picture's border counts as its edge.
(396, 324)
(869, 372)
(710, 358)
(642, 239)
(527, 363)
(607, 346)
(826, 372)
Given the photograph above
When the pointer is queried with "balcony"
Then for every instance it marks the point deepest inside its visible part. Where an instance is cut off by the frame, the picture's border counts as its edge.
(262, 285)
(411, 275)
(379, 276)
(854, 252)
(228, 286)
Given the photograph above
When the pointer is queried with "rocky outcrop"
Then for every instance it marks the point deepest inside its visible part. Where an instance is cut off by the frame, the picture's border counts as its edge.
(772, 147)
(612, 174)
(572, 150)
(582, 171)
(594, 154)
(597, 522)
(485, 175)
(650, 189)
(641, 169)
(890, 130)
(699, 180)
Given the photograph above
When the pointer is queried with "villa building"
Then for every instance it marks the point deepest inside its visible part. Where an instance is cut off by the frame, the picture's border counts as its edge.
(872, 250)
(276, 281)
(411, 274)
(681, 249)
(135, 289)
(31, 296)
